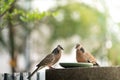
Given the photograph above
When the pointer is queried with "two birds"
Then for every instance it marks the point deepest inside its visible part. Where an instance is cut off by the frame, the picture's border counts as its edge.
(54, 56)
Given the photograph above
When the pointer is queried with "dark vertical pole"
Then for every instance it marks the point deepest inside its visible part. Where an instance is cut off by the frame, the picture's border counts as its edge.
(11, 40)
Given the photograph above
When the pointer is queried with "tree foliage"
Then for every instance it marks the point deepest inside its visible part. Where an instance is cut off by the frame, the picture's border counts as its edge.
(78, 19)
(71, 19)
(14, 19)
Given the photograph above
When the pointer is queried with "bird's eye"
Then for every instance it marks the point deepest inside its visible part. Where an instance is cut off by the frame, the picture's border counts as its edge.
(82, 49)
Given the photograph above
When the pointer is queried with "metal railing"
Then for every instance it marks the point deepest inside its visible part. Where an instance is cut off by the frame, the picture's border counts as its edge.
(19, 76)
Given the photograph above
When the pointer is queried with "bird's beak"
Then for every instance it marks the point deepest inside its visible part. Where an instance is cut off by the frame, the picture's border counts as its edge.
(77, 46)
(62, 48)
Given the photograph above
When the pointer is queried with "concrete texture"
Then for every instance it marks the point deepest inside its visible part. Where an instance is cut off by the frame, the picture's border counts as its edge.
(93, 73)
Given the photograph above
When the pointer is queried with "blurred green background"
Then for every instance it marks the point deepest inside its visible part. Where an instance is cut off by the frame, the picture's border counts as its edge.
(30, 29)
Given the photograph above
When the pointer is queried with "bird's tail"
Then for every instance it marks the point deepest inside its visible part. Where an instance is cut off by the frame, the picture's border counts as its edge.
(96, 64)
(33, 73)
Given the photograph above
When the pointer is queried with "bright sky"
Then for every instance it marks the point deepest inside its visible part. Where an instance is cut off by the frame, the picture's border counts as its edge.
(43, 5)
(114, 9)
(112, 5)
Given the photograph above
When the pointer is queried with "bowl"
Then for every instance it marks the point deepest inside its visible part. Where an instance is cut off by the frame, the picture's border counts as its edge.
(71, 65)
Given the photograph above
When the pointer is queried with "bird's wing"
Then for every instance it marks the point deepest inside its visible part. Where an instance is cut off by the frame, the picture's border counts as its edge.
(48, 60)
(33, 73)
(90, 57)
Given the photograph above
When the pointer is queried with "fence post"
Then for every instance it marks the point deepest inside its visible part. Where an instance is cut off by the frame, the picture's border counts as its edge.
(8, 76)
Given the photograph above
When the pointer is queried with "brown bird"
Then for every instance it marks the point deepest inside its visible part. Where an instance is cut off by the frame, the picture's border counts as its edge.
(49, 60)
(82, 56)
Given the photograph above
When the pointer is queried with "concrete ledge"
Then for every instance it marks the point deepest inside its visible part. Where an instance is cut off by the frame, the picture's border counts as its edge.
(94, 73)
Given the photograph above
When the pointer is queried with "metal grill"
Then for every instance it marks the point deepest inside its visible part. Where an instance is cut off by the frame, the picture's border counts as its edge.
(19, 76)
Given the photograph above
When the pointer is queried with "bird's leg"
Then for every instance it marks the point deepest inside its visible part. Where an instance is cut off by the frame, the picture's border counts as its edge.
(50, 67)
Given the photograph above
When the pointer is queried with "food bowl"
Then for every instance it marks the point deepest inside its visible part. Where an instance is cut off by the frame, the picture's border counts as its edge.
(71, 65)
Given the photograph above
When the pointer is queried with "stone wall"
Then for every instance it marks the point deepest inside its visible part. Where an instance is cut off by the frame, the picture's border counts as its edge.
(94, 73)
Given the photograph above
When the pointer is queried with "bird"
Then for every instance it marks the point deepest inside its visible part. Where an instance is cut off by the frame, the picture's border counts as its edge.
(83, 56)
(49, 60)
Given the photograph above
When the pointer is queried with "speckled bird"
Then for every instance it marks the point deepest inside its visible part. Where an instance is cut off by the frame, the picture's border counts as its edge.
(49, 60)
